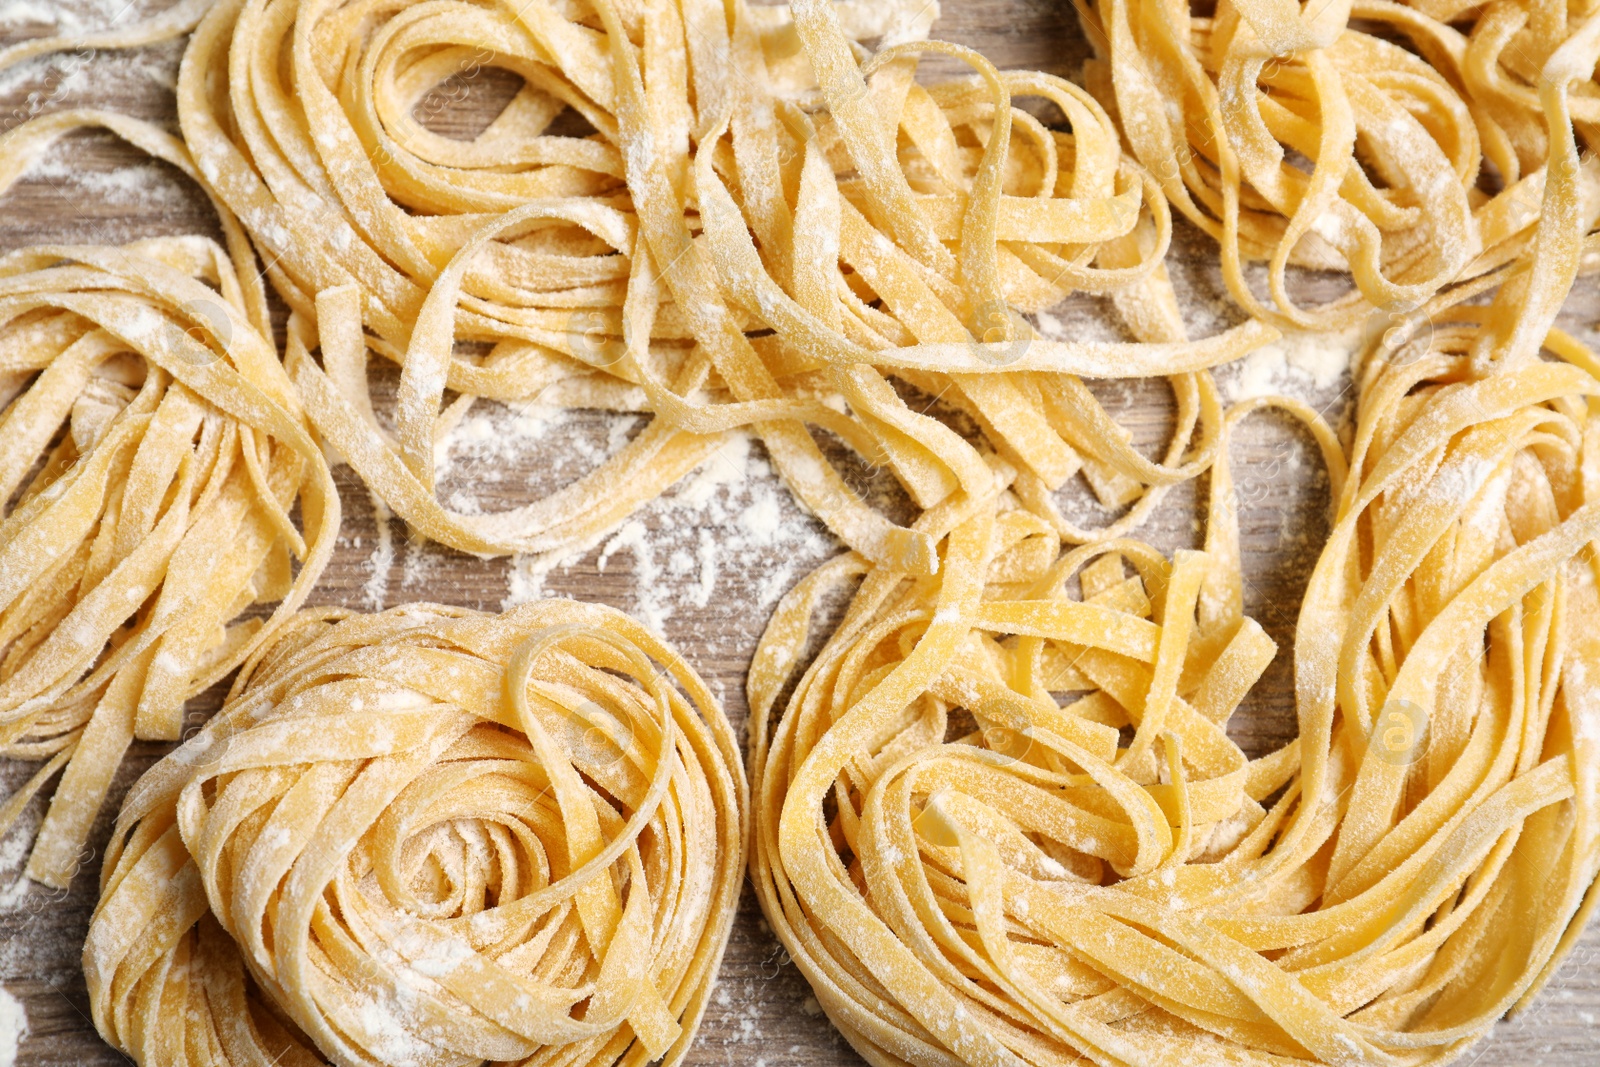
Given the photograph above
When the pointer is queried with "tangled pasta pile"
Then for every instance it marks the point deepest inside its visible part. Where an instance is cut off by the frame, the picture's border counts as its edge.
(1349, 137)
(153, 448)
(429, 836)
(963, 867)
(729, 248)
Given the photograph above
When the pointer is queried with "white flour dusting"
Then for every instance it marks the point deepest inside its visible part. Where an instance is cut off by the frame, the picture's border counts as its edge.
(148, 186)
(130, 81)
(382, 559)
(1294, 364)
(420, 565)
(728, 529)
(84, 75)
(14, 848)
(69, 16)
(481, 452)
(16, 13)
(13, 1027)
(633, 538)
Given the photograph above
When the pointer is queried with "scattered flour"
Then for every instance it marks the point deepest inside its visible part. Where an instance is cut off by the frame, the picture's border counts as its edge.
(381, 562)
(124, 80)
(1296, 363)
(728, 465)
(729, 528)
(13, 1028)
(86, 75)
(59, 17)
(1093, 323)
(147, 186)
(420, 565)
(14, 849)
(482, 450)
(70, 16)
(633, 537)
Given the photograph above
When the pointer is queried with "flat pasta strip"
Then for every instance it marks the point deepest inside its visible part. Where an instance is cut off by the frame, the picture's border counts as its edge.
(429, 836)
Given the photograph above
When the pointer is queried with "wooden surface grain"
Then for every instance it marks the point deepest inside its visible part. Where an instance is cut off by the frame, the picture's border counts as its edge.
(761, 543)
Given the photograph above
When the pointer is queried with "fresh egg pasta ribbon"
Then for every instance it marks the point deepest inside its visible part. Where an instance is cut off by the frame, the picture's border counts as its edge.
(430, 836)
(1537, 282)
(1497, 55)
(728, 248)
(152, 450)
(969, 869)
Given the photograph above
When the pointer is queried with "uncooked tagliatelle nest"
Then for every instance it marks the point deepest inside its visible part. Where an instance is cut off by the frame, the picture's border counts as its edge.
(964, 867)
(429, 836)
(735, 245)
(1350, 136)
(153, 451)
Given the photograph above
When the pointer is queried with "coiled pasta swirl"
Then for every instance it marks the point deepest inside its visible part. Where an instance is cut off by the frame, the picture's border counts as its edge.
(429, 836)
(1038, 887)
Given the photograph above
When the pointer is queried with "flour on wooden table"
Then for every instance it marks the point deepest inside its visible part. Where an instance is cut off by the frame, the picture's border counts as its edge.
(382, 559)
(146, 186)
(13, 1028)
(73, 16)
(483, 450)
(128, 81)
(729, 525)
(14, 849)
(420, 565)
(1090, 322)
(44, 13)
(1297, 364)
(14, 891)
(98, 74)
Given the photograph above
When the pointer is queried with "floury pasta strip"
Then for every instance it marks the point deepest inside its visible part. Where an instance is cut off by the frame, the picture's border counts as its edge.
(429, 836)
(730, 248)
(153, 449)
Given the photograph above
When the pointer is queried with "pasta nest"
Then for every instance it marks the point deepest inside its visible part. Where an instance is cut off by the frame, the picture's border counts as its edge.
(768, 227)
(154, 450)
(429, 836)
(966, 869)
(1496, 54)
(1348, 138)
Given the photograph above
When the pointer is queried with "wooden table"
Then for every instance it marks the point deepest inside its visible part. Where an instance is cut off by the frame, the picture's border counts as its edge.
(762, 1011)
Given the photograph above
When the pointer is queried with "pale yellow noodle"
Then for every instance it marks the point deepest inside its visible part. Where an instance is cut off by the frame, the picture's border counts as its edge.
(1297, 138)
